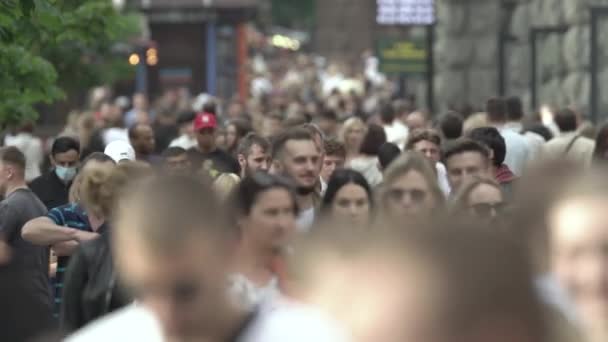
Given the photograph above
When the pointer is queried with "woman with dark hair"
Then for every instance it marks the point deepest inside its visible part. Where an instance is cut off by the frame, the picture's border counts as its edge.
(235, 131)
(367, 162)
(600, 153)
(348, 198)
(264, 215)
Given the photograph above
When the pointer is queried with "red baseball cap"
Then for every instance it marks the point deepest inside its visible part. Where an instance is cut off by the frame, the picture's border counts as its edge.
(204, 120)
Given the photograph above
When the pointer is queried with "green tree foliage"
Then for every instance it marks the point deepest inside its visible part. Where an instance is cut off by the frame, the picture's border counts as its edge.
(50, 48)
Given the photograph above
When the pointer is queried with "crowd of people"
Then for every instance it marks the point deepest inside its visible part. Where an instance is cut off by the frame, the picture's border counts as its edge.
(327, 211)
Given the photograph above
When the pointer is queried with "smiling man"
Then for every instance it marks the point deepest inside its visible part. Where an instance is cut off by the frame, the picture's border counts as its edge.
(296, 156)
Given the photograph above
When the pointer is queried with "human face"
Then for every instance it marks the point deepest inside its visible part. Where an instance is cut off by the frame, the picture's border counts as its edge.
(331, 164)
(464, 166)
(351, 204)
(185, 287)
(409, 195)
(206, 139)
(231, 136)
(300, 161)
(144, 142)
(429, 149)
(257, 160)
(66, 159)
(485, 201)
(415, 120)
(579, 248)
(328, 127)
(178, 165)
(354, 136)
(271, 221)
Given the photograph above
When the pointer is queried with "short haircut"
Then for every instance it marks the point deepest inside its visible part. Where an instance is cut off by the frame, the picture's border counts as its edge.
(173, 151)
(387, 153)
(451, 124)
(565, 119)
(387, 114)
(490, 137)
(13, 156)
(374, 138)
(249, 141)
(98, 157)
(464, 145)
(165, 226)
(423, 135)
(496, 109)
(133, 129)
(334, 148)
(242, 126)
(515, 108)
(314, 130)
(65, 144)
(297, 133)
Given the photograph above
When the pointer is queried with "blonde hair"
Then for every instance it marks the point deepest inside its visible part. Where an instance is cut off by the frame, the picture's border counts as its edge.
(102, 184)
(475, 121)
(348, 125)
(224, 184)
(413, 161)
(461, 198)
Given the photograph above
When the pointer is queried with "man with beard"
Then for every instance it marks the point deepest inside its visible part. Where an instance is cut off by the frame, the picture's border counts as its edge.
(296, 156)
(253, 154)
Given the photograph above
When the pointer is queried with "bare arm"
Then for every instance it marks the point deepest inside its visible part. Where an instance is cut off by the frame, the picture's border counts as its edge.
(65, 248)
(43, 231)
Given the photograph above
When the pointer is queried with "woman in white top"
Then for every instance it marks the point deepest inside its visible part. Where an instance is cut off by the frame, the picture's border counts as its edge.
(265, 212)
(367, 161)
(351, 135)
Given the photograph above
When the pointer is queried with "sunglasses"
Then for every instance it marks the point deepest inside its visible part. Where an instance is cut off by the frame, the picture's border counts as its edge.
(486, 210)
(416, 195)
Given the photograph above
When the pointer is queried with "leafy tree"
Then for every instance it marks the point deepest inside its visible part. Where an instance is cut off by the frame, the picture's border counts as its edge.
(50, 48)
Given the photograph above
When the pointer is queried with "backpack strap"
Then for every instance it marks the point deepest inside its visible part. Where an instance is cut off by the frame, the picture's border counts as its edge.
(571, 143)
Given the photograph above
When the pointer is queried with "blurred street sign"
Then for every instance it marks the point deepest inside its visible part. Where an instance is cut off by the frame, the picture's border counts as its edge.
(405, 12)
(402, 56)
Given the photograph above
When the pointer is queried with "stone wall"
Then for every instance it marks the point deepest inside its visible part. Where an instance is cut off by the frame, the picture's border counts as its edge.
(467, 61)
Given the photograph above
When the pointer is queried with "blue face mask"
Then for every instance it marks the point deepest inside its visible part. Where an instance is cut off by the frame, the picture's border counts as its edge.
(66, 174)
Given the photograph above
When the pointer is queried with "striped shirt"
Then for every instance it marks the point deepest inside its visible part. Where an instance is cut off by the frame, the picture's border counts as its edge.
(74, 216)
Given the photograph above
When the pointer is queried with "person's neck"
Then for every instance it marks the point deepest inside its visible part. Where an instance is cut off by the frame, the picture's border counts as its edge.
(141, 156)
(305, 202)
(14, 186)
(255, 262)
(96, 221)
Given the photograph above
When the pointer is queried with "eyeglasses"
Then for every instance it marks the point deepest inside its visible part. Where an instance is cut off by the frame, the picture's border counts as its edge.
(485, 210)
(416, 195)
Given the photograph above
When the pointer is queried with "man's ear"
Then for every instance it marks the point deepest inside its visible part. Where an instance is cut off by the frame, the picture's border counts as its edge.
(52, 160)
(241, 159)
(276, 167)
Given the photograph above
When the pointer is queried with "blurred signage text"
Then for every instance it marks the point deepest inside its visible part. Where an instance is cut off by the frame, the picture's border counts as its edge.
(405, 12)
(399, 56)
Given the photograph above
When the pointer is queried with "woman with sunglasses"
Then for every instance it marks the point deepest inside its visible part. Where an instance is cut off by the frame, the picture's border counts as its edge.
(410, 189)
(264, 216)
(348, 198)
(481, 198)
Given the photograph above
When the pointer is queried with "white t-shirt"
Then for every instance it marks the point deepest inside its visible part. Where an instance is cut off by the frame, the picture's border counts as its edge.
(248, 295)
(305, 220)
(31, 147)
(397, 133)
(442, 179)
(518, 151)
(184, 141)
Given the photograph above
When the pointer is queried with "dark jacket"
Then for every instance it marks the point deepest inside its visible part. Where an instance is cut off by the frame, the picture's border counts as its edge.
(90, 288)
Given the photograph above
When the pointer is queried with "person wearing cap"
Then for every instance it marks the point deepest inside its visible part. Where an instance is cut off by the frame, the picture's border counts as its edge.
(207, 155)
(120, 151)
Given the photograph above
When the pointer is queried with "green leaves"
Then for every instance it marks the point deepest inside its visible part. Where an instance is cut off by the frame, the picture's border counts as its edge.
(50, 48)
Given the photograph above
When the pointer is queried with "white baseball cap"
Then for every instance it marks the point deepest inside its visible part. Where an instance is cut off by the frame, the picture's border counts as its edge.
(120, 150)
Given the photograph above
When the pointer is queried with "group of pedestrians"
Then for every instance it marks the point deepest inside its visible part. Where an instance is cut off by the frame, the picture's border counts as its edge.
(316, 225)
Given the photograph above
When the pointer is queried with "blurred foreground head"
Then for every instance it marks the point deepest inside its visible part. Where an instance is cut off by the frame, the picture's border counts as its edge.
(435, 284)
(172, 250)
(578, 240)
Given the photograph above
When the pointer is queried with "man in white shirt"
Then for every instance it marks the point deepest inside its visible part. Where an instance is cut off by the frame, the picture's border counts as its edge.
(515, 115)
(396, 131)
(518, 151)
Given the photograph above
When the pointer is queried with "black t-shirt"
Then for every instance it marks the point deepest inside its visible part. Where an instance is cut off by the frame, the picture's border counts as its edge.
(164, 134)
(25, 294)
(51, 190)
(217, 161)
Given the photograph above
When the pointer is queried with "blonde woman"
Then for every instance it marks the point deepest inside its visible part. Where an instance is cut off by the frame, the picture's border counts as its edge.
(352, 134)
